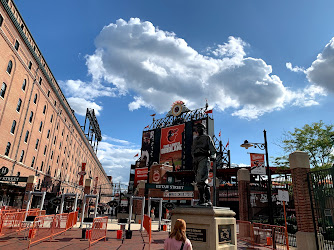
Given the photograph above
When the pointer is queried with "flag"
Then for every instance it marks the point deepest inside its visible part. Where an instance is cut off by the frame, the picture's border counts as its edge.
(208, 111)
(152, 115)
(136, 155)
(147, 126)
(228, 143)
(220, 133)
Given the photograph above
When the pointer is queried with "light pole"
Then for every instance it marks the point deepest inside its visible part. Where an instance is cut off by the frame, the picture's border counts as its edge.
(264, 146)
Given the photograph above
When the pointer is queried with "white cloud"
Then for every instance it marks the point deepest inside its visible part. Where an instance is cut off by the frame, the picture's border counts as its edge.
(294, 69)
(116, 159)
(321, 71)
(80, 105)
(157, 68)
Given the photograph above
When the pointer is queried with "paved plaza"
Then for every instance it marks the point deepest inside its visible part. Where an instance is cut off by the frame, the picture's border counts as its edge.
(71, 240)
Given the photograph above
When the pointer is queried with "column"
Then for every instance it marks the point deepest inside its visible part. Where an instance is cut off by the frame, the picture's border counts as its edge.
(29, 187)
(300, 166)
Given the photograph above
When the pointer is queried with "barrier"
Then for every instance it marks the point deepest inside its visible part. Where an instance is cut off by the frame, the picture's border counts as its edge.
(11, 222)
(72, 219)
(147, 224)
(269, 236)
(59, 224)
(99, 230)
(42, 229)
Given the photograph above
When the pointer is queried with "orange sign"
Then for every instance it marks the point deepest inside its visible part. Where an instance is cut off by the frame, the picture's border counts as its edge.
(171, 145)
(257, 164)
(140, 175)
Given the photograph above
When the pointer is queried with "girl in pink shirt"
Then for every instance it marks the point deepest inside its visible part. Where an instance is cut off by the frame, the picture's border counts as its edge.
(177, 240)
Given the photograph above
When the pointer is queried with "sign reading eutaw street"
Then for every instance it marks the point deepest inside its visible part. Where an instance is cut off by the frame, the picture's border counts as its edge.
(169, 187)
(13, 178)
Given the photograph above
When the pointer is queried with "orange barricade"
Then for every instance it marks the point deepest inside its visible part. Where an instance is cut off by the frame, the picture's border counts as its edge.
(147, 224)
(269, 236)
(60, 224)
(245, 231)
(71, 219)
(75, 218)
(11, 222)
(42, 229)
(99, 230)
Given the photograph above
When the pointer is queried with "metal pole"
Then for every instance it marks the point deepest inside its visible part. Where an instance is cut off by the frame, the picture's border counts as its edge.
(130, 212)
(270, 206)
(192, 202)
(96, 203)
(83, 210)
(42, 201)
(160, 213)
(75, 202)
(214, 182)
(62, 203)
(28, 205)
(149, 207)
(142, 213)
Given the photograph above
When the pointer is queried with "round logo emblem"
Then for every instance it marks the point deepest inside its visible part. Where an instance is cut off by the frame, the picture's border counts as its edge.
(177, 109)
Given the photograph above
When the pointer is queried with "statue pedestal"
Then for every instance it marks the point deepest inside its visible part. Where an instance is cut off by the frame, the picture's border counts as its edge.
(208, 227)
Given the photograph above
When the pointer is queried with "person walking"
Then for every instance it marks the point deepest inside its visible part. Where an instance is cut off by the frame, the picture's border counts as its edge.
(177, 240)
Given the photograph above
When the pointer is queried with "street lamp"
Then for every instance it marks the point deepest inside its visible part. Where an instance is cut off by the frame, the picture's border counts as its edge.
(264, 146)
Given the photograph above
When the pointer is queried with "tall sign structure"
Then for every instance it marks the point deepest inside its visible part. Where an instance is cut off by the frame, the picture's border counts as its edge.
(94, 133)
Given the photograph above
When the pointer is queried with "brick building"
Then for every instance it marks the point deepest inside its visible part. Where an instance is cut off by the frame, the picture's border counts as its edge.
(40, 134)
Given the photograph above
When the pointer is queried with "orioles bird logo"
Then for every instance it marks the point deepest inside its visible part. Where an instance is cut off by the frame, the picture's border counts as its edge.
(172, 133)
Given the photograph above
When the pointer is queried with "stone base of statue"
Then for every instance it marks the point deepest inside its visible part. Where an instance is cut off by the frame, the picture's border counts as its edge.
(208, 227)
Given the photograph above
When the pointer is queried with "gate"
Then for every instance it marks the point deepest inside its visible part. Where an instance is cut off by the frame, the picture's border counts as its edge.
(322, 201)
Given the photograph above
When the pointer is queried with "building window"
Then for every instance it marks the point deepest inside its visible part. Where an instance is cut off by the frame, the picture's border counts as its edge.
(44, 109)
(40, 127)
(42, 164)
(26, 137)
(32, 162)
(7, 149)
(31, 116)
(40, 81)
(48, 93)
(44, 150)
(55, 103)
(1, 20)
(24, 84)
(54, 141)
(51, 118)
(62, 133)
(35, 99)
(29, 65)
(59, 145)
(22, 155)
(12, 130)
(17, 45)
(18, 107)
(57, 126)
(3, 90)
(37, 142)
(47, 136)
(49, 169)
(9, 67)
(57, 159)
(51, 155)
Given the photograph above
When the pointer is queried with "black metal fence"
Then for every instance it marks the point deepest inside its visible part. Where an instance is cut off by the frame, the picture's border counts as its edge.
(322, 200)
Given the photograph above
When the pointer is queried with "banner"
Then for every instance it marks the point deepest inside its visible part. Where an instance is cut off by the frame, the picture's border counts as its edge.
(140, 175)
(257, 164)
(147, 147)
(171, 145)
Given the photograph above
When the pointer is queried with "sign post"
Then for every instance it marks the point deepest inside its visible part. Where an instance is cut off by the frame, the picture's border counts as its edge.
(284, 196)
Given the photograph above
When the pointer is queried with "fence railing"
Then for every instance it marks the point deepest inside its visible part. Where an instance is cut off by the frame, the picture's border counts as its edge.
(269, 236)
(99, 230)
(48, 226)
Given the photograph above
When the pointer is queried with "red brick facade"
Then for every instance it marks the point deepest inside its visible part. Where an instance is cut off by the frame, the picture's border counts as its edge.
(47, 140)
(302, 200)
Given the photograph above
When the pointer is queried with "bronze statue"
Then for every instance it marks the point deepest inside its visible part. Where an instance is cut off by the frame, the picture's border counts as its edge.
(202, 150)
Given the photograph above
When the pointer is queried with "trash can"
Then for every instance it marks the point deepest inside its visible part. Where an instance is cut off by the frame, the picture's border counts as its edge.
(128, 234)
(83, 233)
(119, 234)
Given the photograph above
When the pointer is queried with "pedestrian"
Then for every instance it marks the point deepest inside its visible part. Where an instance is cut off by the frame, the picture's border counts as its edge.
(177, 239)
(152, 213)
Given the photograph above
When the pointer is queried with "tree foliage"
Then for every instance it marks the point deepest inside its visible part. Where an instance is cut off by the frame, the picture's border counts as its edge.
(315, 139)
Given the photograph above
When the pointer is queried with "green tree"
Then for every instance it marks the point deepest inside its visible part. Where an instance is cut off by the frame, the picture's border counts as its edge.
(315, 139)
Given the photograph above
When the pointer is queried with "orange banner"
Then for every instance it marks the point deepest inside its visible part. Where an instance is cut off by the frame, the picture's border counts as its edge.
(147, 224)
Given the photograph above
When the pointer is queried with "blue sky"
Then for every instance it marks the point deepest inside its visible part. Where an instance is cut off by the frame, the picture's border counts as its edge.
(261, 65)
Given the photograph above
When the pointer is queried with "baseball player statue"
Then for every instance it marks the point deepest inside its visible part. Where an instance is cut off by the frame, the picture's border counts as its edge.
(202, 150)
